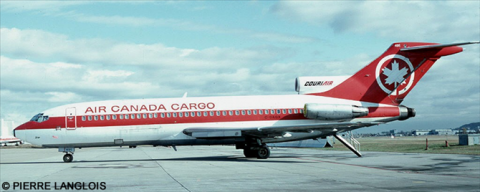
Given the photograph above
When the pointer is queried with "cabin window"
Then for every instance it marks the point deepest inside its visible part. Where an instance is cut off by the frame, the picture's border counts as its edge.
(273, 111)
(249, 112)
(155, 115)
(145, 116)
(289, 111)
(174, 114)
(84, 118)
(301, 110)
(213, 113)
(199, 114)
(162, 115)
(205, 114)
(243, 112)
(254, 112)
(95, 117)
(89, 118)
(127, 116)
(107, 117)
(295, 111)
(230, 113)
(114, 117)
(260, 112)
(237, 113)
(132, 116)
(181, 114)
(168, 115)
(139, 116)
(186, 114)
(266, 111)
(121, 116)
(192, 114)
(102, 117)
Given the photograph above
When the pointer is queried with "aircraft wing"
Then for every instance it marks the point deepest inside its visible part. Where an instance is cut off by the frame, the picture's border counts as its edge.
(269, 131)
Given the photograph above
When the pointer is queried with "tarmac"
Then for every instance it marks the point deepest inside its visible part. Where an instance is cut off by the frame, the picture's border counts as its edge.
(222, 168)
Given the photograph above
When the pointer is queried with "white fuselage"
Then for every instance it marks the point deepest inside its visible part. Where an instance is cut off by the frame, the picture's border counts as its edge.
(162, 121)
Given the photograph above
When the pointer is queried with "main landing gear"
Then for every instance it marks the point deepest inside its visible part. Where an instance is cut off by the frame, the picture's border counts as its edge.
(261, 152)
(255, 149)
(68, 157)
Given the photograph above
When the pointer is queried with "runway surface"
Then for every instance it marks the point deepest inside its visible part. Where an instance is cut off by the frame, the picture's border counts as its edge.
(222, 168)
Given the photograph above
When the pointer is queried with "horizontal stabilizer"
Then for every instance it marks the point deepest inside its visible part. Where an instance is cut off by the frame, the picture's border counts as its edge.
(437, 46)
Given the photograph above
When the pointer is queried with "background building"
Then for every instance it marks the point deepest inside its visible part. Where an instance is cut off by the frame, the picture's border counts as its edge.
(420, 132)
(6, 128)
(441, 132)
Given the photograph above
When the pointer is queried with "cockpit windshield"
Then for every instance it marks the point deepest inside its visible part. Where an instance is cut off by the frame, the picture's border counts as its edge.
(39, 118)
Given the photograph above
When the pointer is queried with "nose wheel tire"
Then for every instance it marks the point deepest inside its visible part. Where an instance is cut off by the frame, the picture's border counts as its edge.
(67, 158)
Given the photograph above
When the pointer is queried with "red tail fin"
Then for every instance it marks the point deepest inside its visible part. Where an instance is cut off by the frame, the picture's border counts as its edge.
(390, 77)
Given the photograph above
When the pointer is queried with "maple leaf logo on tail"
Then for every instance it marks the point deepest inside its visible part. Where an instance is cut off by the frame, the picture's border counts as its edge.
(393, 76)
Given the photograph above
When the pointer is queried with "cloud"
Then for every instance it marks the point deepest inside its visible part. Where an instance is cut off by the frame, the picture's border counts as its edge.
(59, 69)
(37, 5)
(58, 9)
(118, 20)
(189, 26)
(63, 97)
(40, 44)
(93, 76)
(78, 82)
(412, 20)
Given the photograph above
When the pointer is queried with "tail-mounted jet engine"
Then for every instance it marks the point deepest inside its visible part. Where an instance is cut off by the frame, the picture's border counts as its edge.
(333, 112)
(406, 112)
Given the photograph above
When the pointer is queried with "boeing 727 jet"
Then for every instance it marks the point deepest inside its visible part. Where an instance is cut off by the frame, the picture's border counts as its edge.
(324, 106)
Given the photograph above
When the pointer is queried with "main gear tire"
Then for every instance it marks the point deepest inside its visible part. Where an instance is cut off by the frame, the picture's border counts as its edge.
(263, 153)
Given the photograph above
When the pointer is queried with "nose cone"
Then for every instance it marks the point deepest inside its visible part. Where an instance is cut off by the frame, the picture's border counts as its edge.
(20, 131)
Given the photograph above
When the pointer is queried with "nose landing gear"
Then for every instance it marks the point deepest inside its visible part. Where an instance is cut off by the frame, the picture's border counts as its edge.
(68, 157)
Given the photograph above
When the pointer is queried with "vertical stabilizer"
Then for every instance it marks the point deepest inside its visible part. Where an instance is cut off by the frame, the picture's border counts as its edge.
(390, 77)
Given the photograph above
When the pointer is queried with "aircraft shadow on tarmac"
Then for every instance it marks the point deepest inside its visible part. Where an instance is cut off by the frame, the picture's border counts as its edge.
(210, 158)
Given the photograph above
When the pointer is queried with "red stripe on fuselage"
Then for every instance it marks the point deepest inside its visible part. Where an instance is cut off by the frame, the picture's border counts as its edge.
(59, 122)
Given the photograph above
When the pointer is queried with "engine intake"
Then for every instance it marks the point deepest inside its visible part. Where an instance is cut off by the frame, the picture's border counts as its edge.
(333, 112)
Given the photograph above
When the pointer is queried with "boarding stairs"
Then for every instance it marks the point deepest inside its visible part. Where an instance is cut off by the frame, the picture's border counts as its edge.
(351, 143)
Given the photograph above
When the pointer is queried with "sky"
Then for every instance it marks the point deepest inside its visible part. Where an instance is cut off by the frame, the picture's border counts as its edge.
(59, 52)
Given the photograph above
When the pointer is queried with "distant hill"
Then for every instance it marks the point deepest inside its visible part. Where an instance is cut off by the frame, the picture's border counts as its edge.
(470, 126)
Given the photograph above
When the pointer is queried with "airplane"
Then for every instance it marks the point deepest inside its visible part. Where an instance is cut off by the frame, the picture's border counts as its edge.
(5, 140)
(5, 136)
(324, 106)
